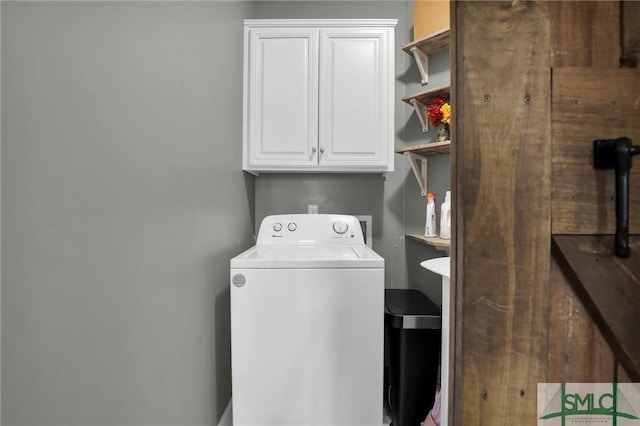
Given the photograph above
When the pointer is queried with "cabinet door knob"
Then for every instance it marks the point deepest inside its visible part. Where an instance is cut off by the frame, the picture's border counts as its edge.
(313, 150)
(321, 150)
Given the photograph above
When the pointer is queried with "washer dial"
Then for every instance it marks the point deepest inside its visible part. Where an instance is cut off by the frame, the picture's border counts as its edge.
(340, 227)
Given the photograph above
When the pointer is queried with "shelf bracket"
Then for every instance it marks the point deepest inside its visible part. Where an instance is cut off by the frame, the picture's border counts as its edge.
(422, 60)
(421, 111)
(419, 170)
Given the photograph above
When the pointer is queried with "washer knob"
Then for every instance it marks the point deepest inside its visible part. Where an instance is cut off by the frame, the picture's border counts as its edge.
(292, 227)
(277, 227)
(340, 227)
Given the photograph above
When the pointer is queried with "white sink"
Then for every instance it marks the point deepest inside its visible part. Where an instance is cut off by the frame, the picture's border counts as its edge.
(442, 266)
(439, 265)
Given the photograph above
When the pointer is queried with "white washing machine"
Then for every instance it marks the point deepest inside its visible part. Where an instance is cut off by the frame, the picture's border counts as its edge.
(307, 325)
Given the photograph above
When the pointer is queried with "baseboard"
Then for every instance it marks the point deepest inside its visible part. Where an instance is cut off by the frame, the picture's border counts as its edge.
(227, 416)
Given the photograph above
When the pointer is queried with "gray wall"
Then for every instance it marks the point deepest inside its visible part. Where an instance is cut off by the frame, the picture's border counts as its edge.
(122, 203)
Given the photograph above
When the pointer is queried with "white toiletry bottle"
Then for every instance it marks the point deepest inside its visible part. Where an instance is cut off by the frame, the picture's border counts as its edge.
(445, 217)
(430, 227)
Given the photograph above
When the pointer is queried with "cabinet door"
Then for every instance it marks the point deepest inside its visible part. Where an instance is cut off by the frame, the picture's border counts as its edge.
(356, 92)
(281, 99)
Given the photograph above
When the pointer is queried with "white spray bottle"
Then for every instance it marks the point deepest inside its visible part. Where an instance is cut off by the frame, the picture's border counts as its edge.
(445, 217)
(430, 227)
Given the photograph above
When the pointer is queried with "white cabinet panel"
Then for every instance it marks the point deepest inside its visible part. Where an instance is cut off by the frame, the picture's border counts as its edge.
(354, 99)
(281, 98)
(318, 95)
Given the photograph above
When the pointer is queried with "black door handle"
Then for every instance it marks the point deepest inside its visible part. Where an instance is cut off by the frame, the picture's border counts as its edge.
(616, 154)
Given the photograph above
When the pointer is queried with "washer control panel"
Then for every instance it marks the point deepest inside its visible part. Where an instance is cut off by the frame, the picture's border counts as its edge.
(309, 229)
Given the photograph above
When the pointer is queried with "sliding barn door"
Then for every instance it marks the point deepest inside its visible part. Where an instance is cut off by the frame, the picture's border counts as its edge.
(534, 83)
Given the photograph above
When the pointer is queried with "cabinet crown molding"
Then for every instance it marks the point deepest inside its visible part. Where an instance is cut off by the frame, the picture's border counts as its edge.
(321, 22)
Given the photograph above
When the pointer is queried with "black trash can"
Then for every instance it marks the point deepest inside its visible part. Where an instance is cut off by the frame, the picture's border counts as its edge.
(413, 326)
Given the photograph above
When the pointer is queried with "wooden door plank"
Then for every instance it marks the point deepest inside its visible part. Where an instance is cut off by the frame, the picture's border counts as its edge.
(455, 347)
(502, 160)
(630, 34)
(589, 104)
(585, 33)
(609, 288)
(577, 351)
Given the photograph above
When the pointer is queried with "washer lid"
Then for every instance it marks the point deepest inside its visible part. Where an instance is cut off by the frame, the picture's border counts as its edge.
(312, 256)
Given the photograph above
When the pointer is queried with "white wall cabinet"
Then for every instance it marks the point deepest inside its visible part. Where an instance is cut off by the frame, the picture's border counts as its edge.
(318, 95)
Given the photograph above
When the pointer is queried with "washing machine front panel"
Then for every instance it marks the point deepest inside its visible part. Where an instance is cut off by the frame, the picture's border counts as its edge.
(307, 346)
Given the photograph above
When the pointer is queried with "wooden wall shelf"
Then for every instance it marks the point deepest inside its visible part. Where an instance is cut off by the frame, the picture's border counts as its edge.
(422, 99)
(431, 43)
(421, 49)
(427, 149)
(429, 95)
(434, 241)
(417, 156)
